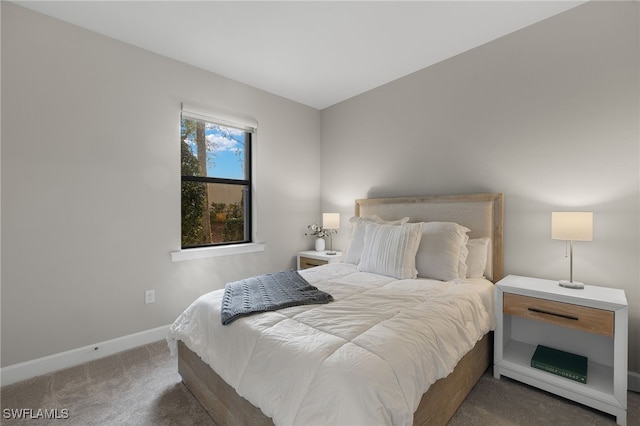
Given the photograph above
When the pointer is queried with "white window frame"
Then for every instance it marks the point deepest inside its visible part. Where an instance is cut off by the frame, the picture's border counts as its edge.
(245, 123)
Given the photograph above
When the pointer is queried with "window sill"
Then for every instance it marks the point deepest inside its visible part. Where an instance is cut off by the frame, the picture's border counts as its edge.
(206, 252)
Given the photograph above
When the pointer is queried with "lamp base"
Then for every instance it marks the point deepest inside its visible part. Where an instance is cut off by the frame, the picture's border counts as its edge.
(571, 284)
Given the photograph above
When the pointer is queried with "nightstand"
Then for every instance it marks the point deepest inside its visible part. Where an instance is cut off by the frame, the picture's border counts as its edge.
(591, 322)
(311, 258)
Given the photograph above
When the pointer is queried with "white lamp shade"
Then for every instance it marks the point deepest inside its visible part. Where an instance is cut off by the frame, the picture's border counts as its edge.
(331, 220)
(572, 226)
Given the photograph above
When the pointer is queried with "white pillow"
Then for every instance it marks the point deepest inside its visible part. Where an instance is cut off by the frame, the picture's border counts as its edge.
(442, 252)
(477, 258)
(391, 250)
(353, 251)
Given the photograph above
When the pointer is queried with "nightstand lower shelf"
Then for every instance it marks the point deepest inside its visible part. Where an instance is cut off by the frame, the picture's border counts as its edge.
(517, 358)
(593, 395)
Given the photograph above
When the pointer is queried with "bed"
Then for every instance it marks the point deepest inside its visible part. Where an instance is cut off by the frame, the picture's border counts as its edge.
(361, 359)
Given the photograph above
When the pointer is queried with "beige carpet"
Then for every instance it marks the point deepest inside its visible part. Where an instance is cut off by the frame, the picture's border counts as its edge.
(142, 387)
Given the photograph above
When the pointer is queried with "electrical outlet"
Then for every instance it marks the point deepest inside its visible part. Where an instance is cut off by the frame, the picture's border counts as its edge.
(149, 296)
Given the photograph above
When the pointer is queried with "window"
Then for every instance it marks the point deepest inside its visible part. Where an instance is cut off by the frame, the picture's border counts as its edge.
(216, 182)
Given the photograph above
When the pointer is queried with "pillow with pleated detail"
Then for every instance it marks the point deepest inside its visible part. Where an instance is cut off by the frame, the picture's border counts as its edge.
(442, 252)
(353, 251)
(391, 250)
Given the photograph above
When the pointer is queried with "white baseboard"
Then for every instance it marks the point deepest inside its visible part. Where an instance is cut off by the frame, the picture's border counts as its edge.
(633, 381)
(48, 364)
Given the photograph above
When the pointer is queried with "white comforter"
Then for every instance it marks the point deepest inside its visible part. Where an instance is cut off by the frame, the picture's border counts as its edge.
(364, 359)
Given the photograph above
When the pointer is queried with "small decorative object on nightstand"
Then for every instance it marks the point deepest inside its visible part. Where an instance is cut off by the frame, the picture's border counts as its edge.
(311, 258)
(320, 232)
(591, 324)
(572, 226)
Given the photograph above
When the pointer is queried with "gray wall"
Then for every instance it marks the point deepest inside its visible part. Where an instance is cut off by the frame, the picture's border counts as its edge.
(547, 115)
(91, 185)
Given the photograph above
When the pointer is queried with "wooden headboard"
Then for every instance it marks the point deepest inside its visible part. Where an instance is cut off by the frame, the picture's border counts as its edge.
(482, 213)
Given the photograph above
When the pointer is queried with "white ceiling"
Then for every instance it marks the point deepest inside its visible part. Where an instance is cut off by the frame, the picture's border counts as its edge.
(316, 53)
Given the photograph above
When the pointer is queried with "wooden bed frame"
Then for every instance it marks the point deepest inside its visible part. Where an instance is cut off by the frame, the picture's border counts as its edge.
(483, 214)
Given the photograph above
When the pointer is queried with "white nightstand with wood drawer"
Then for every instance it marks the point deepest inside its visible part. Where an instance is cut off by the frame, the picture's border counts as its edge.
(592, 322)
(311, 258)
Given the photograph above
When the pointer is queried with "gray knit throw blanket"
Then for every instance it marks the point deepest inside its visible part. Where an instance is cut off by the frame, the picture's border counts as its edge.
(268, 292)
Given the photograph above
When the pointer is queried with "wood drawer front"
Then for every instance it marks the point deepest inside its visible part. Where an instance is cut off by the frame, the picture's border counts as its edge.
(592, 320)
(307, 262)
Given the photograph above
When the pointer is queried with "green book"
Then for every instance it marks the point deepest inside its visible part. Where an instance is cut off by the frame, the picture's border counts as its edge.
(561, 363)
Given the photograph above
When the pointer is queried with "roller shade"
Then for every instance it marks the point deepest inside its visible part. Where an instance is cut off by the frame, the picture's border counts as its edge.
(247, 124)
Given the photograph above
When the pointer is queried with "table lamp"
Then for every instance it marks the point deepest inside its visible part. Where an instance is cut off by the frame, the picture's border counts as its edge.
(331, 221)
(571, 226)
